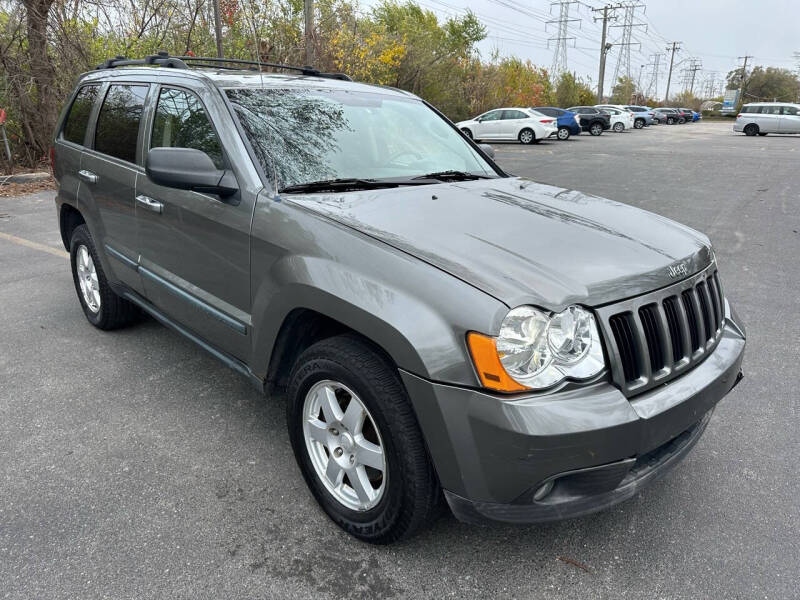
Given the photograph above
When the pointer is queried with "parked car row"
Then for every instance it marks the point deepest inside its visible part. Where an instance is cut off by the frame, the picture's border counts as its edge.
(672, 116)
(533, 124)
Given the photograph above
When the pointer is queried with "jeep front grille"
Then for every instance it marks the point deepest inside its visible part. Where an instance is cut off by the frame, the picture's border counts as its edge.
(656, 337)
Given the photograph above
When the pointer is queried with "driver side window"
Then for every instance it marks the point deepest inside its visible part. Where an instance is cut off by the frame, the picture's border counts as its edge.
(491, 116)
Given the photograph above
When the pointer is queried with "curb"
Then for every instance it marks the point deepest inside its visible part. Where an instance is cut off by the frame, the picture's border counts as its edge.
(25, 177)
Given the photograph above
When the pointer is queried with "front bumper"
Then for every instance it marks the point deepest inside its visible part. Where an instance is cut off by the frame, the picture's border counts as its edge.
(492, 453)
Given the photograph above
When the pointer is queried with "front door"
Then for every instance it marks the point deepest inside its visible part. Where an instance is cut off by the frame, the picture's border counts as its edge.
(108, 172)
(195, 248)
(790, 120)
(489, 126)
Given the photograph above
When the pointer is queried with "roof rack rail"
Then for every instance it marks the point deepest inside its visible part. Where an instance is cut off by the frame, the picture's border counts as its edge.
(163, 59)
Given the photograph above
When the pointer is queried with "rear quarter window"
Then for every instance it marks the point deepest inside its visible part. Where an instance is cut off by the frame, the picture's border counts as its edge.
(118, 122)
(78, 117)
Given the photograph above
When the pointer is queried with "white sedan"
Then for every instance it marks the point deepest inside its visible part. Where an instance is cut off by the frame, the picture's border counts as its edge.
(621, 117)
(523, 124)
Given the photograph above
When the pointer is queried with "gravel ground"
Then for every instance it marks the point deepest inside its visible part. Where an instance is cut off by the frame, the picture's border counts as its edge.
(132, 465)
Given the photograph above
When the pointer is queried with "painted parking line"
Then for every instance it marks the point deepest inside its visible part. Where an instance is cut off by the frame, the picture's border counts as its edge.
(35, 245)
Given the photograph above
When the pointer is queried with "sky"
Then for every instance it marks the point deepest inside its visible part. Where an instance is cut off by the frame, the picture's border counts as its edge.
(713, 32)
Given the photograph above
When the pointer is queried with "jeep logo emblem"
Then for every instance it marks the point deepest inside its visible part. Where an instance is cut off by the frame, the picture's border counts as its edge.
(679, 270)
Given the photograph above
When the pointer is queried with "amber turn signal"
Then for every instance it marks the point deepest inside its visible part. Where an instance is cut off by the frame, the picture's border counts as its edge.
(487, 364)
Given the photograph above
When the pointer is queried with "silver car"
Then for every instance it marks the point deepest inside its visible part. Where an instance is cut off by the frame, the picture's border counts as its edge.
(768, 117)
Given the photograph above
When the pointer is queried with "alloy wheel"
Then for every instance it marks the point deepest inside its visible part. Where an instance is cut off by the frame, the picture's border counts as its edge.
(344, 445)
(526, 137)
(87, 278)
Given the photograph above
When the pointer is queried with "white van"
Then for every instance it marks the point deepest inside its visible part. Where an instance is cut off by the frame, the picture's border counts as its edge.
(761, 118)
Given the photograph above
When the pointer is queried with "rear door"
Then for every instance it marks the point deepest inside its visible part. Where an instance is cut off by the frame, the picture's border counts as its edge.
(195, 247)
(512, 122)
(789, 120)
(109, 167)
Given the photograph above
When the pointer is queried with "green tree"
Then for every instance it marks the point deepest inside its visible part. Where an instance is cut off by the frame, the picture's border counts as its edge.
(766, 84)
(623, 90)
(567, 90)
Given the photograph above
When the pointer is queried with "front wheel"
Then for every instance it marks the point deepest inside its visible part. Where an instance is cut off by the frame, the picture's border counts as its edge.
(619, 127)
(638, 123)
(670, 121)
(563, 133)
(467, 132)
(526, 136)
(356, 439)
(681, 121)
(596, 129)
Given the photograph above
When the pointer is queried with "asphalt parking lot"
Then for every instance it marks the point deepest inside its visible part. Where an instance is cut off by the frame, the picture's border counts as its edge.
(133, 465)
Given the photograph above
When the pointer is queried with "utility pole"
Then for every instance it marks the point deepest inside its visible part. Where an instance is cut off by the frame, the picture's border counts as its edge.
(604, 46)
(624, 58)
(308, 13)
(675, 48)
(744, 77)
(218, 28)
(560, 53)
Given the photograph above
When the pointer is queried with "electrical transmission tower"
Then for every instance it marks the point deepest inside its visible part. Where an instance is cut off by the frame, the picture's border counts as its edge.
(695, 65)
(624, 58)
(560, 52)
(654, 67)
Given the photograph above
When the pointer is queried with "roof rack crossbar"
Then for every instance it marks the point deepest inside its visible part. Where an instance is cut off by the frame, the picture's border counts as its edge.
(163, 59)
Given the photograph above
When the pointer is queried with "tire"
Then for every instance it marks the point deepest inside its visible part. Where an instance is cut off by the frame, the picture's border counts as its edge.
(526, 136)
(563, 133)
(670, 121)
(751, 130)
(761, 134)
(596, 129)
(618, 127)
(467, 133)
(638, 124)
(102, 306)
(408, 496)
(681, 120)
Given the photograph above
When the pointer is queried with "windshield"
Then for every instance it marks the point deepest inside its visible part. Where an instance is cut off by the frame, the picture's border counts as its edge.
(307, 135)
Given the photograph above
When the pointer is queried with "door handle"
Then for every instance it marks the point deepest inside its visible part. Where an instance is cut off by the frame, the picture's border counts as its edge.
(88, 176)
(150, 204)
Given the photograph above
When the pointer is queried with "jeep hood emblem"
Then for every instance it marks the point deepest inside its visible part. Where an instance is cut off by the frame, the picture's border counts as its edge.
(678, 270)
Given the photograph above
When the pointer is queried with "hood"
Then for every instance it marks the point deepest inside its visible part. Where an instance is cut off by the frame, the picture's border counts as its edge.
(525, 242)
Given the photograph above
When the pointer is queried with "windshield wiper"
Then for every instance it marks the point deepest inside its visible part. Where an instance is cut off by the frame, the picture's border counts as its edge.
(452, 176)
(337, 185)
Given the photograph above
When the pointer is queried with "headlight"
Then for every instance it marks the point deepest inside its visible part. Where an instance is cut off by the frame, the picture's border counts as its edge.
(536, 349)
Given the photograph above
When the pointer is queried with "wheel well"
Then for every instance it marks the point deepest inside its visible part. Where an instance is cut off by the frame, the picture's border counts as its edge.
(300, 330)
(68, 219)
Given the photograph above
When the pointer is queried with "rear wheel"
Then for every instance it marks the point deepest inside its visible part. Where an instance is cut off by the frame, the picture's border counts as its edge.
(356, 439)
(619, 127)
(563, 133)
(751, 129)
(526, 136)
(670, 121)
(101, 305)
(596, 129)
(638, 123)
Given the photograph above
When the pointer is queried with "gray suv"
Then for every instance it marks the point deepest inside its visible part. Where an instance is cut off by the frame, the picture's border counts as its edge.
(443, 332)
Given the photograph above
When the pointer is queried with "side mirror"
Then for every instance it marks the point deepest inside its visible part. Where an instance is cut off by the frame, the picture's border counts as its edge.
(189, 169)
(487, 149)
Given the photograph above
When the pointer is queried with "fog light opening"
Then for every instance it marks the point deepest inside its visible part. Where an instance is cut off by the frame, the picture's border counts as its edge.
(543, 490)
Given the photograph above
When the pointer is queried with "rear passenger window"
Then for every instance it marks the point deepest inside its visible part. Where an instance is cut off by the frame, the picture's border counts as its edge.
(182, 122)
(118, 122)
(78, 117)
